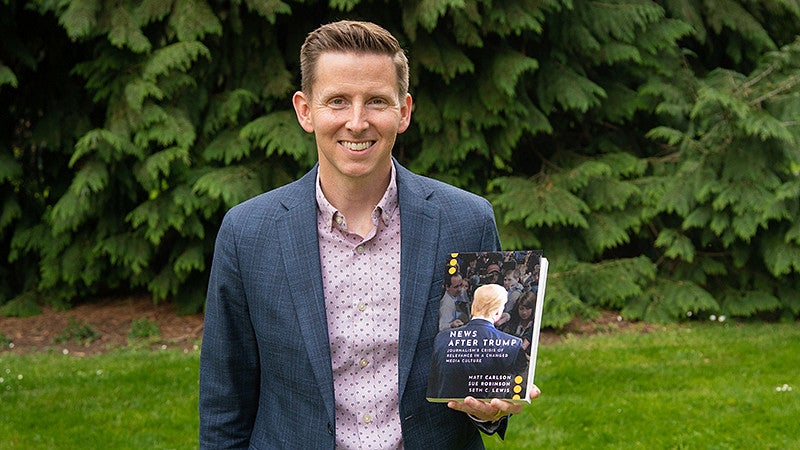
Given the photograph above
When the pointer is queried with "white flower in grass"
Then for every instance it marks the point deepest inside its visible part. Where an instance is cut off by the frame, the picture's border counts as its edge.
(712, 318)
(689, 314)
(99, 372)
(721, 318)
(2, 380)
(65, 351)
(784, 388)
(19, 377)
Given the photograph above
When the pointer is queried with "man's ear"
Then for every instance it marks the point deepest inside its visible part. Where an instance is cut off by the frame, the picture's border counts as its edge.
(302, 108)
(406, 106)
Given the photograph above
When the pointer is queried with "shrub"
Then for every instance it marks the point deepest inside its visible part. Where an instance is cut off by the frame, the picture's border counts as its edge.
(77, 331)
(5, 342)
(143, 328)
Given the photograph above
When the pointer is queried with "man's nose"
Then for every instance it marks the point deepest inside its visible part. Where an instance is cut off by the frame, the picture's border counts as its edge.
(358, 118)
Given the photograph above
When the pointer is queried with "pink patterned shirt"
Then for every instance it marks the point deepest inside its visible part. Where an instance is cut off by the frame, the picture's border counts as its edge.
(361, 279)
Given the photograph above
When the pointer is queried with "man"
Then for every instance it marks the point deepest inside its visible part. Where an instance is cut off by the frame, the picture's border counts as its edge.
(338, 355)
(453, 307)
(513, 286)
(457, 354)
(492, 274)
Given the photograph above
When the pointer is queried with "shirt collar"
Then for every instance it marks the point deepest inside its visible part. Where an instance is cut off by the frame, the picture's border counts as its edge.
(385, 209)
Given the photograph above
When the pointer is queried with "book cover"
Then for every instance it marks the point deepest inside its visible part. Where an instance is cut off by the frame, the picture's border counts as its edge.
(490, 315)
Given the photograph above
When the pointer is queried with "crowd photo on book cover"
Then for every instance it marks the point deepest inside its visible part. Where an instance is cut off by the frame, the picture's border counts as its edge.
(488, 326)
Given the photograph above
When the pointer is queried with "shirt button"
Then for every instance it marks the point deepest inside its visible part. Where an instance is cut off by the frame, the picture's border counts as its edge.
(360, 249)
(363, 362)
(367, 418)
(362, 307)
(386, 217)
(339, 219)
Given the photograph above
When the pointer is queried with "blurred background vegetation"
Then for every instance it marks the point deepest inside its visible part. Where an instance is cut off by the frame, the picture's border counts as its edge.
(650, 148)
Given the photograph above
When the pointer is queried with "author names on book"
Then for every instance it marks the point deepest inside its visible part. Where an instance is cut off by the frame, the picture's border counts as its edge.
(489, 384)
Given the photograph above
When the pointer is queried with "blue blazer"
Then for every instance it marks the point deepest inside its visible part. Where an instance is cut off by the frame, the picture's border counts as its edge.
(265, 368)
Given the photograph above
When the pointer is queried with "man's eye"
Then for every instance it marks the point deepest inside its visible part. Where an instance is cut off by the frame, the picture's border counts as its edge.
(378, 103)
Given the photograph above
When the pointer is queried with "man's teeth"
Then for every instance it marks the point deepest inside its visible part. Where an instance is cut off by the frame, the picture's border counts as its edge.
(357, 146)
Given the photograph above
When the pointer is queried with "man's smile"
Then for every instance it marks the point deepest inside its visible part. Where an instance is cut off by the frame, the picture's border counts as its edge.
(357, 146)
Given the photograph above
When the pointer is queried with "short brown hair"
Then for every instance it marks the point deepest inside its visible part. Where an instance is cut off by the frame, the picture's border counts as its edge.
(350, 36)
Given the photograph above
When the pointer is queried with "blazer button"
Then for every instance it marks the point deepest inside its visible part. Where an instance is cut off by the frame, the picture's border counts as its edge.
(330, 428)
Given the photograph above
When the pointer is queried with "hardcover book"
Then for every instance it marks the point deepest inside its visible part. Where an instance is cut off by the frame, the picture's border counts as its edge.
(490, 315)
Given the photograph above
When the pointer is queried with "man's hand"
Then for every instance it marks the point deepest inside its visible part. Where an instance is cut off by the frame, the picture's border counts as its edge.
(490, 411)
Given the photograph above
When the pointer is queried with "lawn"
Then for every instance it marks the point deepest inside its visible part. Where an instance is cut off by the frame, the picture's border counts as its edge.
(699, 386)
(707, 386)
(126, 399)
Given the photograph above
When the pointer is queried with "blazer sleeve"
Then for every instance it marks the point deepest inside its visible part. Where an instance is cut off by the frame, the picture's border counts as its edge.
(229, 369)
(491, 237)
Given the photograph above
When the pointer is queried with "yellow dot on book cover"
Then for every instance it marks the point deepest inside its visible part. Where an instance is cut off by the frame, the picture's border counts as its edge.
(515, 397)
(453, 262)
(451, 270)
(517, 389)
(453, 255)
(518, 379)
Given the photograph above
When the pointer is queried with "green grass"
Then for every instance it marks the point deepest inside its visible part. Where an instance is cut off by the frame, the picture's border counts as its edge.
(698, 386)
(122, 400)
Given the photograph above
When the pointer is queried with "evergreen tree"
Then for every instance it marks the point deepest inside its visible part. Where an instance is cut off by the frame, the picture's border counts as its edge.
(649, 147)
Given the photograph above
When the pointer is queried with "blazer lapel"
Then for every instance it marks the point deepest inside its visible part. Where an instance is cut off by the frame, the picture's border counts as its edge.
(419, 224)
(301, 259)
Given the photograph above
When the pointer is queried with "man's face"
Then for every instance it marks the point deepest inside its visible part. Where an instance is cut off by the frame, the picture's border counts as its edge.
(355, 113)
(509, 280)
(457, 286)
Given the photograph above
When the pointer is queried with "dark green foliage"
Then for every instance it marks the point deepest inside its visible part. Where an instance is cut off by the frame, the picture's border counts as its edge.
(649, 147)
(143, 328)
(5, 342)
(78, 332)
(23, 305)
